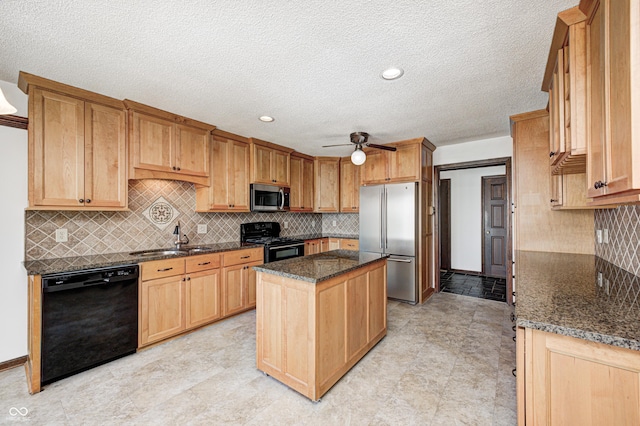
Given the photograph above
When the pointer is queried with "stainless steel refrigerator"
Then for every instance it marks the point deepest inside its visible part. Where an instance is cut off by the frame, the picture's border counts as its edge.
(389, 225)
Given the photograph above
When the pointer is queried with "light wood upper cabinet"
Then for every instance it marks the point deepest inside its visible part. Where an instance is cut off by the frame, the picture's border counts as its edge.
(167, 146)
(301, 183)
(228, 188)
(327, 181)
(77, 148)
(269, 163)
(402, 165)
(613, 75)
(349, 186)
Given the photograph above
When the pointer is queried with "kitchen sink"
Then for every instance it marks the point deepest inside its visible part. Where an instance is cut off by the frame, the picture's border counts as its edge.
(159, 252)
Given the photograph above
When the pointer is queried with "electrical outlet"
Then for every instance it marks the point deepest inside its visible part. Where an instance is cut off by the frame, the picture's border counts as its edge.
(333, 223)
(599, 279)
(599, 236)
(605, 236)
(61, 235)
(286, 225)
(313, 223)
(606, 286)
(202, 228)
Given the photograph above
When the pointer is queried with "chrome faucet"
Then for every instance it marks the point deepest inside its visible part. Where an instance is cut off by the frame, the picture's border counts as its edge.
(179, 242)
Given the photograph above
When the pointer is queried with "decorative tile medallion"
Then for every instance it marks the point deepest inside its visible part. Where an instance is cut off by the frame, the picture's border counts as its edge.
(161, 213)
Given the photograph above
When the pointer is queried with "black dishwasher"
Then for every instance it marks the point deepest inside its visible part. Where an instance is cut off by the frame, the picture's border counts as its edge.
(89, 317)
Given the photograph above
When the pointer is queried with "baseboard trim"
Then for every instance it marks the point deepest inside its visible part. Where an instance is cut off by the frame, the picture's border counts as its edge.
(13, 363)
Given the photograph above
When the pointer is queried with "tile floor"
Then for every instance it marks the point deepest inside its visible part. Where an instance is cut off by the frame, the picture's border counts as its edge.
(447, 362)
(474, 285)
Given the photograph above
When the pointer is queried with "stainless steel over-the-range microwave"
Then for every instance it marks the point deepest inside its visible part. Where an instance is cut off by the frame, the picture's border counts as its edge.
(269, 198)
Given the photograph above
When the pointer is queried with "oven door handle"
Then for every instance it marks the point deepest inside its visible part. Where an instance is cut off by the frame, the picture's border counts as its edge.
(290, 245)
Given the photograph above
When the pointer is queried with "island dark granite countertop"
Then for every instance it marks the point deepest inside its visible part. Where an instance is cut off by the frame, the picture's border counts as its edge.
(77, 263)
(560, 293)
(320, 267)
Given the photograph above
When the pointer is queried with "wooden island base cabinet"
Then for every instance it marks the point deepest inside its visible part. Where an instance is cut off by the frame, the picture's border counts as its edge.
(563, 380)
(310, 334)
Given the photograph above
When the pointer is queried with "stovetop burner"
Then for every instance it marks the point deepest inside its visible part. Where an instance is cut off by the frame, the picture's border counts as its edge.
(271, 240)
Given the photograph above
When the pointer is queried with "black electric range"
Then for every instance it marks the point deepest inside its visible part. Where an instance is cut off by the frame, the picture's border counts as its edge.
(268, 234)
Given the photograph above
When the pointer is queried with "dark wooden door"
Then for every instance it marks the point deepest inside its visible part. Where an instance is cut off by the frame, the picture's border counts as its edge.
(445, 224)
(495, 205)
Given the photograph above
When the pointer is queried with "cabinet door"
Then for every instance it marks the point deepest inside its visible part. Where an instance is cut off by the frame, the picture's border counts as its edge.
(262, 165)
(234, 289)
(334, 243)
(295, 199)
(324, 245)
(280, 168)
(404, 163)
(349, 186)
(349, 244)
(105, 156)
(153, 143)
(239, 177)
(377, 302)
(217, 196)
(374, 169)
(327, 173)
(311, 247)
(203, 298)
(357, 310)
(307, 185)
(162, 313)
(250, 277)
(192, 150)
(56, 152)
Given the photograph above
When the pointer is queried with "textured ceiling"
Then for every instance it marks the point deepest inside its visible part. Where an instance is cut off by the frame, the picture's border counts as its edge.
(314, 65)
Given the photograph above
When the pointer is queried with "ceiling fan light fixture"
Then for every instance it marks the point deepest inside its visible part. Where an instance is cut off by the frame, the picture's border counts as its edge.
(358, 157)
(392, 73)
(266, 119)
(5, 107)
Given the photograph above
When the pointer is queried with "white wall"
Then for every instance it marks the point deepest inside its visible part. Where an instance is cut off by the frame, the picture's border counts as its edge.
(472, 151)
(13, 175)
(466, 215)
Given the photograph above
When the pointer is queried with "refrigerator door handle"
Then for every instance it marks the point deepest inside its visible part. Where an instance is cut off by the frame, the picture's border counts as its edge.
(386, 243)
(381, 216)
(390, 259)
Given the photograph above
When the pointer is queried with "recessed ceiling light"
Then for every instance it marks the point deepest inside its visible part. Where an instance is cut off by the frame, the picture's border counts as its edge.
(392, 73)
(266, 119)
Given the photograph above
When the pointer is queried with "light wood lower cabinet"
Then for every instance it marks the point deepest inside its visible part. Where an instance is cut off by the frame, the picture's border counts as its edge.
(312, 246)
(334, 243)
(568, 381)
(239, 280)
(349, 244)
(310, 334)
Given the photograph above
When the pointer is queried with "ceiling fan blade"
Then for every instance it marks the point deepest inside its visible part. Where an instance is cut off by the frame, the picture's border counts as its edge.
(342, 144)
(386, 148)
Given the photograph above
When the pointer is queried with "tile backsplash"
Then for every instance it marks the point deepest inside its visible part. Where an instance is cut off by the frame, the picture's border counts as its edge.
(623, 248)
(92, 233)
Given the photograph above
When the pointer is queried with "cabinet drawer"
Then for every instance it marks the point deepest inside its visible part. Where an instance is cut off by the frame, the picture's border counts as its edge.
(243, 256)
(348, 244)
(161, 268)
(202, 262)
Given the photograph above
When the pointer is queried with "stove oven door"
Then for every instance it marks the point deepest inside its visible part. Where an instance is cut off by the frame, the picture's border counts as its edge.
(281, 252)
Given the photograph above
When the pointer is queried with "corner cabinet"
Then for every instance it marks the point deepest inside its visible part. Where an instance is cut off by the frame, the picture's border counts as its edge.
(302, 183)
(349, 186)
(613, 98)
(327, 182)
(167, 146)
(77, 148)
(269, 163)
(228, 188)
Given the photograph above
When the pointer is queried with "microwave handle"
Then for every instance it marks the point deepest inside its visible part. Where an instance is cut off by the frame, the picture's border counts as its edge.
(281, 199)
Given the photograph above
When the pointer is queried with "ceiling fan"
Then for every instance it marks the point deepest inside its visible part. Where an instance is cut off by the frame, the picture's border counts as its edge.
(358, 157)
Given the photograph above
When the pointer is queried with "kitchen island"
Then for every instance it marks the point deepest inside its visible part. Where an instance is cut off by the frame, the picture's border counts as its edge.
(578, 340)
(318, 315)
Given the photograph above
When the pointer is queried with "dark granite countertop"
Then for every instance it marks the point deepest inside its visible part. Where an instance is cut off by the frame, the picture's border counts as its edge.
(320, 267)
(561, 293)
(324, 235)
(77, 263)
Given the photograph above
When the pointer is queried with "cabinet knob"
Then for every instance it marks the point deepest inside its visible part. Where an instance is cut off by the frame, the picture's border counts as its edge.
(81, 200)
(174, 168)
(88, 200)
(554, 201)
(552, 153)
(178, 168)
(599, 184)
(188, 278)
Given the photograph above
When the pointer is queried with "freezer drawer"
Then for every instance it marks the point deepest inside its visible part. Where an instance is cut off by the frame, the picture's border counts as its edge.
(401, 278)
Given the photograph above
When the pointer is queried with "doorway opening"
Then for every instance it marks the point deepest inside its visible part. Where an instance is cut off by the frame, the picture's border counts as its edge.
(473, 252)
